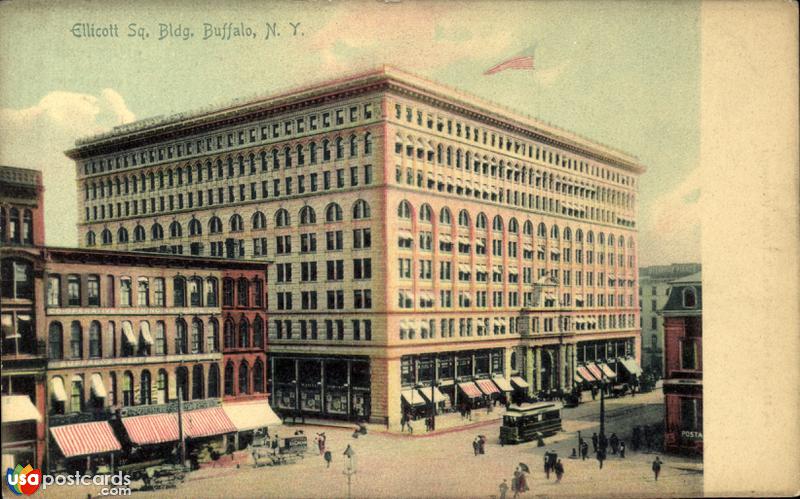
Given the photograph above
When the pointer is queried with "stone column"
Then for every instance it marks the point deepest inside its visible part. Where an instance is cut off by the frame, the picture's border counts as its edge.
(529, 371)
(538, 369)
(562, 367)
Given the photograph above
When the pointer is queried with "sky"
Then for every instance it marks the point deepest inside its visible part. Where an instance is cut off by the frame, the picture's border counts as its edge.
(625, 74)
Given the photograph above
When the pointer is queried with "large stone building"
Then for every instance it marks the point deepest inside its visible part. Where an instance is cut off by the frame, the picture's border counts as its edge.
(683, 359)
(419, 235)
(654, 285)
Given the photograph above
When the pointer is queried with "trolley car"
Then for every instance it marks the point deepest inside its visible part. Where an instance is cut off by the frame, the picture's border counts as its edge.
(530, 422)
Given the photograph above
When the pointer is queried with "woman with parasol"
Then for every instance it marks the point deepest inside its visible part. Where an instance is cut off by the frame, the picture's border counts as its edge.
(522, 481)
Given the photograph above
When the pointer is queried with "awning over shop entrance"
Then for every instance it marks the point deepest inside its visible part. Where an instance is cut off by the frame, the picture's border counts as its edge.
(503, 384)
(438, 396)
(207, 423)
(596, 372)
(57, 389)
(152, 429)
(18, 408)
(487, 386)
(630, 365)
(98, 387)
(586, 375)
(610, 374)
(412, 397)
(520, 382)
(85, 438)
(251, 415)
(470, 389)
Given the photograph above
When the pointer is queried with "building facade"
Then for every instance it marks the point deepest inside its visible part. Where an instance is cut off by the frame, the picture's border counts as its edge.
(683, 383)
(653, 293)
(23, 357)
(420, 236)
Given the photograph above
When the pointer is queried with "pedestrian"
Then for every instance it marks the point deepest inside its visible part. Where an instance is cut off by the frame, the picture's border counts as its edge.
(584, 450)
(522, 482)
(601, 456)
(594, 393)
(515, 482)
(469, 412)
(594, 442)
(622, 449)
(403, 421)
(503, 489)
(475, 446)
(559, 471)
(614, 440)
(481, 444)
(657, 467)
(547, 465)
(328, 458)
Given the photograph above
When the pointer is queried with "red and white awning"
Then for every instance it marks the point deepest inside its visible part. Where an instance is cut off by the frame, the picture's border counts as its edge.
(85, 438)
(207, 423)
(586, 375)
(152, 429)
(487, 386)
(596, 372)
(470, 389)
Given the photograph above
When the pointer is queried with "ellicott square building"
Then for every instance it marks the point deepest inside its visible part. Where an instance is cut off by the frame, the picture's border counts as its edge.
(420, 236)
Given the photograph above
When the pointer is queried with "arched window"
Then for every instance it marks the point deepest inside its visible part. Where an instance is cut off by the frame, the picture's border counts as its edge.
(333, 213)
(312, 152)
(541, 230)
(227, 292)
(361, 210)
(196, 292)
(213, 381)
(95, 340)
(601, 239)
(282, 218)
(127, 389)
(554, 232)
(353, 146)
(178, 292)
(122, 235)
(182, 382)
(236, 224)
(138, 233)
(259, 221)
(229, 378)
(212, 338)
(425, 213)
(161, 338)
(214, 225)
(611, 241)
(481, 221)
(197, 335)
(105, 237)
(156, 232)
(307, 215)
(229, 334)
(145, 394)
(244, 333)
(55, 340)
(689, 298)
(162, 387)
(463, 218)
(175, 229)
(244, 378)
(339, 148)
(326, 150)
(621, 241)
(287, 157)
(567, 234)
(91, 238)
(367, 143)
(258, 377)
(76, 340)
(14, 226)
(243, 292)
(212, 292)
(195, 227)
(527, 228)
(579, 236)
(590, 237)
(445, 218)
(198, 382)
(404, 210)
(513, 226)
(497, 223)
(181, 346)
(258, 332)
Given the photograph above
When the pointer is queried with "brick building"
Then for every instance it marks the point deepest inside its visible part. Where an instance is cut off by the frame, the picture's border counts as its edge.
(683, 361)
(420, 235)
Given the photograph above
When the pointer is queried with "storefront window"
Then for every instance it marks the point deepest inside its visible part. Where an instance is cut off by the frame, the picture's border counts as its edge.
(359, 374)
(425, 370)
(407, 371)
(464, 366)
(445, 367)
(482, 363)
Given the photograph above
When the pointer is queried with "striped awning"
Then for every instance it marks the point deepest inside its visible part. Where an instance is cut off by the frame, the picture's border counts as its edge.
(487, 386)
(607, 370)
(596, 372)
(85, 438)
(207, 423)
(586, 375)
(152, 429)
(470, 389)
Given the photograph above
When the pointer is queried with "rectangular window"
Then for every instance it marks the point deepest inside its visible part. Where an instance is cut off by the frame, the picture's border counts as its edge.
(688, 354)
(74, 291)
(53, 291)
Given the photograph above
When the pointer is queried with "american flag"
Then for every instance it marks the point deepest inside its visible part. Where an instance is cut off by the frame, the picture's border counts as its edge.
(524, 60)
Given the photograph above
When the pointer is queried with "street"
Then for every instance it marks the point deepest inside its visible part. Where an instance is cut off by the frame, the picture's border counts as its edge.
(443, 465)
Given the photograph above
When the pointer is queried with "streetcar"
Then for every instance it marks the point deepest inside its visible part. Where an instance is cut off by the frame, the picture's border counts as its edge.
(530, 422)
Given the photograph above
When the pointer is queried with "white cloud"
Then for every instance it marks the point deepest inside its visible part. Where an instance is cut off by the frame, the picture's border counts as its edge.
(37, 136)
(670, 229)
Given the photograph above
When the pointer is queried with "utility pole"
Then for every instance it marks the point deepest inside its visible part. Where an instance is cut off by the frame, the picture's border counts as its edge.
(601, 451)
(349, 468)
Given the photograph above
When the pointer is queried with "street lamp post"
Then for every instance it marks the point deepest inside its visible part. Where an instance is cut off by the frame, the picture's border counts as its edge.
(349, 468)
(601, 451)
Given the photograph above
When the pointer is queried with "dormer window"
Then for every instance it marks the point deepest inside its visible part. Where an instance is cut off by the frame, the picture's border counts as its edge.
(689, 298)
